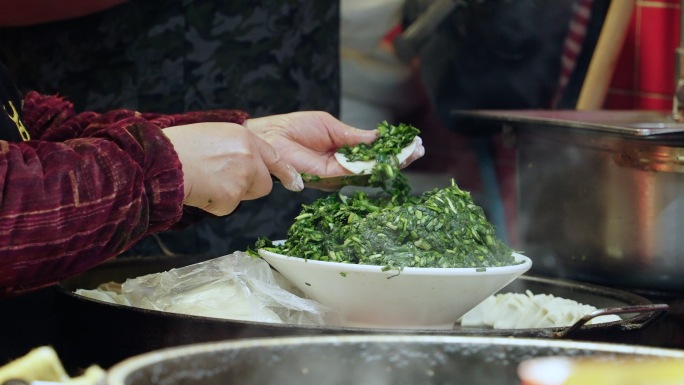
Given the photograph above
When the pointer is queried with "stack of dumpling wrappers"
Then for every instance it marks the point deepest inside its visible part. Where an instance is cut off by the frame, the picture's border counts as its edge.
(528, 311)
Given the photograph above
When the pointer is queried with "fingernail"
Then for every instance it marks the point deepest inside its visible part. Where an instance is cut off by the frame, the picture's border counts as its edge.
(298, 183)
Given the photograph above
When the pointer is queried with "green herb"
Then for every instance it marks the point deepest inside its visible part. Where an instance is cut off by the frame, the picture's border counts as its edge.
(440, 228)
(394, 229)
(310, 177)
(391, 140)
(391, 181)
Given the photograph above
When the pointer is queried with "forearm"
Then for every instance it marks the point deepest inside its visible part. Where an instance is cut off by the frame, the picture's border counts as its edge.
(69, 206)
(225, 116)
(86, 188)
(51, 117)
(29, 12)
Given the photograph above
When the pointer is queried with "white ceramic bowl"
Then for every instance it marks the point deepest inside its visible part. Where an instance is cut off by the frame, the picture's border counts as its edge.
(415, 298)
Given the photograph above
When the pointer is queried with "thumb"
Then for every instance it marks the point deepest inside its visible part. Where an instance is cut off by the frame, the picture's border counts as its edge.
(279, 168)
(352, 136)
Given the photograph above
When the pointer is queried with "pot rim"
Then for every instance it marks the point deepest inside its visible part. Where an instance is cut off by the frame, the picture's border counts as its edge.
(118, 373)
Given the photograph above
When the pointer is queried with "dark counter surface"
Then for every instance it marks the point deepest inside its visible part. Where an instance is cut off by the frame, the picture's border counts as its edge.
(28, 321)
(38, 319)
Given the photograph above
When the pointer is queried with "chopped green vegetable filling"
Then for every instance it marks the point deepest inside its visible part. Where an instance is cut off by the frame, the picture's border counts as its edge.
(394, 229)
(310, 177)
(440, 228)
(391, 140)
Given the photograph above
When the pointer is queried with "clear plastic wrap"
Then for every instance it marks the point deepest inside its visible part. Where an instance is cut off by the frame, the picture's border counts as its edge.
(234, 286)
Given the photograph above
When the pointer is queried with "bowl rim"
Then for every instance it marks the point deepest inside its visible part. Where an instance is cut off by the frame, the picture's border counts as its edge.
(526, 264)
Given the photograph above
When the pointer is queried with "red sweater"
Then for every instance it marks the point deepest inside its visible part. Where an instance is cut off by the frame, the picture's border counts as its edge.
(85, 188)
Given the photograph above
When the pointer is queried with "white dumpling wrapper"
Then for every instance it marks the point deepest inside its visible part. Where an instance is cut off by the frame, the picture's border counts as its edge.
(526, 311)
(475, 317)
(366, 166)
(221, 301)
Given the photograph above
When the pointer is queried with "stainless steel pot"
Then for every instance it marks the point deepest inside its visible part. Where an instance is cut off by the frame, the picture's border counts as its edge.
(600, 194)
(357, 359)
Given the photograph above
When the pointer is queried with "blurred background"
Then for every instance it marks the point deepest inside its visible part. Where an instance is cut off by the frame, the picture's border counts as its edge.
(404, 61)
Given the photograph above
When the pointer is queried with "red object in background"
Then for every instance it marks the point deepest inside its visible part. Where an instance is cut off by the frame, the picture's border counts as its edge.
(392, 33)
(644, 75)
(572, 46)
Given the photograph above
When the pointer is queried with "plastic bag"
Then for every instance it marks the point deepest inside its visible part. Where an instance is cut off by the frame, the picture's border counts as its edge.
(234, 286)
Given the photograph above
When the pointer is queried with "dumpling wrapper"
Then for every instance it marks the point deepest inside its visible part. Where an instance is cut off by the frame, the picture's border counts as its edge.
(366, 166)
(525, 311)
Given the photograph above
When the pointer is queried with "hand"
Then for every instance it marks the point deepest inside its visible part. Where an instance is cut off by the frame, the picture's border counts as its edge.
(308, 140)
(225, 163)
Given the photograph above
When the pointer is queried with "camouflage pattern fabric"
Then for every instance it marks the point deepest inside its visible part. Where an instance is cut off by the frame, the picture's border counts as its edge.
(171, 56)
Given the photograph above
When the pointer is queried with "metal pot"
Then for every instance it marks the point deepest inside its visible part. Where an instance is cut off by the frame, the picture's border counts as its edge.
(106, 333)
(600, 194)
(358, 359)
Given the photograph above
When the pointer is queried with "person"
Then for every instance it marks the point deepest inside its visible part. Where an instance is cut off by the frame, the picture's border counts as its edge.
(79, 188)
(268, 58)
(496, 55)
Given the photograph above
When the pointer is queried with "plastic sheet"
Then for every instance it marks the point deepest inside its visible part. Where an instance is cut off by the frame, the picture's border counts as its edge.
(234, 286)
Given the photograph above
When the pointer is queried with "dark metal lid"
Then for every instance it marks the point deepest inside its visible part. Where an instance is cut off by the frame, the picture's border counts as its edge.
(632, 123)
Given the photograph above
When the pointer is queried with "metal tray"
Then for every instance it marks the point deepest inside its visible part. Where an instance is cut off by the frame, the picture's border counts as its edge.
(107, 333)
